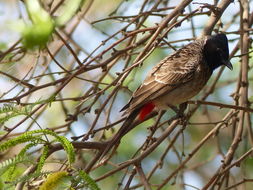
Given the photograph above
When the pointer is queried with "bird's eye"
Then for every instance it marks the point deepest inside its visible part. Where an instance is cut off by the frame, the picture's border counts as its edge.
(219, 51)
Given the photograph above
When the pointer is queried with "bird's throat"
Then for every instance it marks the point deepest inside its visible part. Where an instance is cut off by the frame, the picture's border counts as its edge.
(145, 110)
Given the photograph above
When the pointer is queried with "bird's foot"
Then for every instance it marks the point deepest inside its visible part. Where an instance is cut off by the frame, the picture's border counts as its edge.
(179, 113)
(182, 108)
(174, 108)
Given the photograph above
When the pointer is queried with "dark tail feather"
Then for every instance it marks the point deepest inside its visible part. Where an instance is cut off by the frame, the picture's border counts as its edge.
(126, 127)
(125, 107)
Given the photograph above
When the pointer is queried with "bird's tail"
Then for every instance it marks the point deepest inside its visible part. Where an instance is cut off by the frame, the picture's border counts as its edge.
(126, 127)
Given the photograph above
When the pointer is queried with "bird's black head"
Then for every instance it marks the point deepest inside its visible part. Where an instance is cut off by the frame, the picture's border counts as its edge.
(216, 51)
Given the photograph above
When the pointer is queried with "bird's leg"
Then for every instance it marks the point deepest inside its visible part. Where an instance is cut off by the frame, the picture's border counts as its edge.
(182, 108)
(174, 108)
(179, 112)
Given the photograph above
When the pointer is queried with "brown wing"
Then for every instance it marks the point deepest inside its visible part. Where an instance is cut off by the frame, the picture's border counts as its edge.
(169, 74)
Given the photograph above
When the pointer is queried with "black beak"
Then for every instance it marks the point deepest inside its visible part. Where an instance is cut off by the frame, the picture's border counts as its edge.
(228, 64)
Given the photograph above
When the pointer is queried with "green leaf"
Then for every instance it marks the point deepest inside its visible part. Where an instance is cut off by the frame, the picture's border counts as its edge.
(38, 32)
(89, 181)
(11, 162)
(9, 111)
(1, 184)
(57, 181)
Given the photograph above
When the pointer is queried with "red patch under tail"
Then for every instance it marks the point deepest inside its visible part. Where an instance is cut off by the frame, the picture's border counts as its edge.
(145, 110)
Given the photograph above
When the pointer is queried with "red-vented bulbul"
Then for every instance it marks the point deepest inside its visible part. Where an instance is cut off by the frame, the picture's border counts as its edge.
(176, 79)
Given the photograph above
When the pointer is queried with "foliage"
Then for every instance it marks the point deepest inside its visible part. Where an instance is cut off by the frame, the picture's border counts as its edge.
(63, 180)
(33, 138)
(11, 110)
(39, 31)
(56, 181)
(87, 180)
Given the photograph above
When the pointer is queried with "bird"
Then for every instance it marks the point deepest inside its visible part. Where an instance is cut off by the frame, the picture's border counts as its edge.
(174, 80)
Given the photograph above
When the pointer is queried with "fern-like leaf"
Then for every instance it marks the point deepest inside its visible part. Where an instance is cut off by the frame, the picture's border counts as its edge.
(67, 145)
(42, 158)
(25, 178)
(26, 137)
(57, 180)
(88, 180)
(11, 110)
(5, 165)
